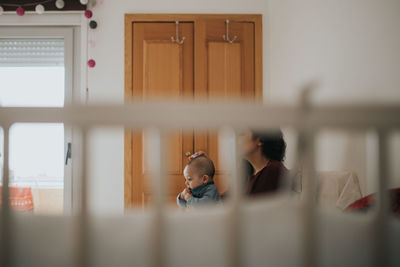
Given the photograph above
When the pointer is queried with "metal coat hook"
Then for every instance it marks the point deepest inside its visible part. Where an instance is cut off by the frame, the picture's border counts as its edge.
(226, 36)
(176, 39)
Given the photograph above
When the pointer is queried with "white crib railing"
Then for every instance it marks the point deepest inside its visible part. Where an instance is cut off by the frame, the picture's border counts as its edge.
(307, 120)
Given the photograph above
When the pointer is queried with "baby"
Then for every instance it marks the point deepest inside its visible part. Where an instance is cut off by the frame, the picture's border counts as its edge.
(200, 188)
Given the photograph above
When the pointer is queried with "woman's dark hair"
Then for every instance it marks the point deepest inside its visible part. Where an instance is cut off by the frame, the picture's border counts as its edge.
(273, 144)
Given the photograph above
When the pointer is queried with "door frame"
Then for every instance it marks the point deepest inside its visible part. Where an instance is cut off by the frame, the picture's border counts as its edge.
(256, 19)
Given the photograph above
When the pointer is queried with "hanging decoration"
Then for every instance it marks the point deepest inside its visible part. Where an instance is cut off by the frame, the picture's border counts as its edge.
(19, 7)
(39, 9)
(20, 11)
(40, 6)
(88, 13)
(91, 63)
(60, 4)
(93, 24)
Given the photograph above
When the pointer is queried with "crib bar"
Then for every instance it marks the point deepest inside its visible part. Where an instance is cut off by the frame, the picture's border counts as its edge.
(6, 216)
(310, 228)
(293, 180)
(306, 150)
(83, 229)
(234, 241)
(158, 160)
(383, 205)
(131, 116)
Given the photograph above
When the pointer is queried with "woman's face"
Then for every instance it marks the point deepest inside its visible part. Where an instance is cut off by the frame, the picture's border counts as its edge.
(248, 144)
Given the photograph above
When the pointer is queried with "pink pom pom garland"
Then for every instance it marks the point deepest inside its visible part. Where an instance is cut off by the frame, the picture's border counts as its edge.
(20, 11)
(91, 63)
(88, 13)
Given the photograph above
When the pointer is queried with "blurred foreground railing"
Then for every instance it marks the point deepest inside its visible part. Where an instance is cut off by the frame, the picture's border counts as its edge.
(161, 118)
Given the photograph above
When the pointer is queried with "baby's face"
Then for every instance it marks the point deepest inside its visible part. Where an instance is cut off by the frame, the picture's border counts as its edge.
(192, 179)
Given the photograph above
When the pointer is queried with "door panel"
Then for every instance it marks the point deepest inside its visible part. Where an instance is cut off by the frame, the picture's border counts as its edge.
(163, 70)
(217, 61)
(227, 73)
(162, 65)
(224, 70)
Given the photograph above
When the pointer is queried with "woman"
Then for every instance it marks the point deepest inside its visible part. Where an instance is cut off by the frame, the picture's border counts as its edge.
(263, 156)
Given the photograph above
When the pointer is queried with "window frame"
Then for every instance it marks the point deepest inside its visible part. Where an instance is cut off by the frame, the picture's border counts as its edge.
(73, 28)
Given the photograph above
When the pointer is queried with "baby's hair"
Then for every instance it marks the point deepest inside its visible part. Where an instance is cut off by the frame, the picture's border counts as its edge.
(203, 165)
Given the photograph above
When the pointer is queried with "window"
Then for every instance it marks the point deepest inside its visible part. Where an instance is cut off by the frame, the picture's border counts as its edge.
(35, 71)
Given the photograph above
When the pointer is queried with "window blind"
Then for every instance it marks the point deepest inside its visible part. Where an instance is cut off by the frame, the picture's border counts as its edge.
(23, 52)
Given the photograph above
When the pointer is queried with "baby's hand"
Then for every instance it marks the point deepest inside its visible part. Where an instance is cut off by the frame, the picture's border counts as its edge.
(183, 193)
(187, 195)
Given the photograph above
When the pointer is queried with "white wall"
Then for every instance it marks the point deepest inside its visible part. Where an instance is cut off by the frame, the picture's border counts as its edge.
(351, 47)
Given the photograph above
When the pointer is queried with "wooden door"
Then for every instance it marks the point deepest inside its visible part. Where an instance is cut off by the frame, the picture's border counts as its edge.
(225, 71)
(162, 70)
(204, 67)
